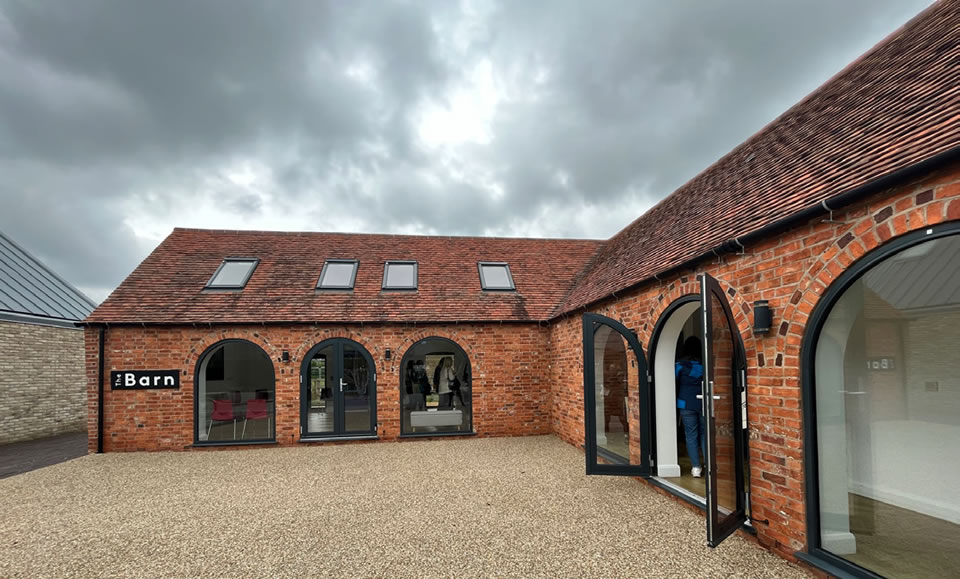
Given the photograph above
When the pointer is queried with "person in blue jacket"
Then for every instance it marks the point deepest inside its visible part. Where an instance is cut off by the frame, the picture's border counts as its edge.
(689, 372)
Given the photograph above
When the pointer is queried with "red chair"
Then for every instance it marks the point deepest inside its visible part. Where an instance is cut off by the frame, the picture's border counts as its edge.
(256, 410)
(223, 412)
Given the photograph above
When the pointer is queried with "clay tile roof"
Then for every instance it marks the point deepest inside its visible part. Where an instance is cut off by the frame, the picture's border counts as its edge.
(896, 106)
(168, 287)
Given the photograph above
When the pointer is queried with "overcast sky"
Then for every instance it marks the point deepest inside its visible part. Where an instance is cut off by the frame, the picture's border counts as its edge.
(121, 120)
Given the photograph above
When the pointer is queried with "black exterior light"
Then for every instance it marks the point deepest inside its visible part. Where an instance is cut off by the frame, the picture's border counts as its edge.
(285, 356)
(386, 354)
(762, 317)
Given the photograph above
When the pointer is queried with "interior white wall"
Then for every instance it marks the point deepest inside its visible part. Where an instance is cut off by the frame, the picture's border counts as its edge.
(665, 396)
(832, 427)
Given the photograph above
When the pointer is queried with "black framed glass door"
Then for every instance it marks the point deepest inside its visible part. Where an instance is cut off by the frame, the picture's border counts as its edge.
(611, 354)
(723, 395)
(338, 390)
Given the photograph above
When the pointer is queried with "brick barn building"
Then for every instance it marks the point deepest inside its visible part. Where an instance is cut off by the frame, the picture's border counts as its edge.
(817, 265)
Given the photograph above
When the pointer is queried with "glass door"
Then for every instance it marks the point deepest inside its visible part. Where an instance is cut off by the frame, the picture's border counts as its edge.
(611, 356)
(723, 412)
(338, 390)
(357, 395)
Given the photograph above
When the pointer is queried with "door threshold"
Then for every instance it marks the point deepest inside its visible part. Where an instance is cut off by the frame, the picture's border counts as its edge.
(690, 497)
(307, 439)
(694, 499)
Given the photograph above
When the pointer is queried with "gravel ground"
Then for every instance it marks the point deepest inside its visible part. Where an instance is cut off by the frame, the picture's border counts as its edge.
(464, 508)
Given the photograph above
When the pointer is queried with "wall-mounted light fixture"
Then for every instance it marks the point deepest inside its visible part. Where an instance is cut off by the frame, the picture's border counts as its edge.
(762, 317)
(386, 354)
(285, 357)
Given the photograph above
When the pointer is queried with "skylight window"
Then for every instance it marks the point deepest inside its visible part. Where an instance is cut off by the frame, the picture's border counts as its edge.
(400, 275)
(233, 273)
(495, 276)
(338, 274)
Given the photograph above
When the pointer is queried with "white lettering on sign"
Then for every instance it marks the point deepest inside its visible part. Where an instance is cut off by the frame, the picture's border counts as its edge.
(145, 379)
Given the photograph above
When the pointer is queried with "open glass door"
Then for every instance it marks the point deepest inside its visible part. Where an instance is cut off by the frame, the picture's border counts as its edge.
(613, 363)
(723, 409)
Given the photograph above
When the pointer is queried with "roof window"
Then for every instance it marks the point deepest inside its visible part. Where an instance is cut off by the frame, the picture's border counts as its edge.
(495, 276)
(338, 274)
(400, 275)
(233, 273)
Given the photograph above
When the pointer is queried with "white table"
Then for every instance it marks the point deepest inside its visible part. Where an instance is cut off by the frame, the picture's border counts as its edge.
(419, 418)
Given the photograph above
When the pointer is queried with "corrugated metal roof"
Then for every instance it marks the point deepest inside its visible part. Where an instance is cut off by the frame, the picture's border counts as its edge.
(29, 287)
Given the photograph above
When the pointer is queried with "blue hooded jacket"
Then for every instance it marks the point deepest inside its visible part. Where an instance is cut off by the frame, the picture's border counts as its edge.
(689, 382)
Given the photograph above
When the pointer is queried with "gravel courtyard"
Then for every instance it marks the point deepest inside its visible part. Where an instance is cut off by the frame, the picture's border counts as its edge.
(467, 507)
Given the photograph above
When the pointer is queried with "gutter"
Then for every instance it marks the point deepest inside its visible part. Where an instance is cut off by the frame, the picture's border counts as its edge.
(824, 207)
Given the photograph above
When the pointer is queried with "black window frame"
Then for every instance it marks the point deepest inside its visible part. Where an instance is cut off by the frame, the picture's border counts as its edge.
(454, 348)
(483, 281)
(353, 276)
(599, 461)
(196, 397)
(416, 275)
(814, 554)
(340, 432)
(254, 260)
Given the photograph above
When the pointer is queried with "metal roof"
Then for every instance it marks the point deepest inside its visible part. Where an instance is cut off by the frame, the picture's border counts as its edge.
(923, 278)
(29, 288)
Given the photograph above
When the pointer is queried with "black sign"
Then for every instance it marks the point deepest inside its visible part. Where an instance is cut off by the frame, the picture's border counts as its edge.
(145, 379)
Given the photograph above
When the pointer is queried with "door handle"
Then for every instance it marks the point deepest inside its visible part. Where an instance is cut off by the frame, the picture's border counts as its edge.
(853, 393)
(700, 397)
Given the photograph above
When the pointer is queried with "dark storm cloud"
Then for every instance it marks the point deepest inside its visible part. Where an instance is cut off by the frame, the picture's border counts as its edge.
(116, 117)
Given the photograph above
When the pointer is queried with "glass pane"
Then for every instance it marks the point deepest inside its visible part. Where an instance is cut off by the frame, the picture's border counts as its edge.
(235, 399)
(232, 273)
(337, 274)
(321, 406)
(612, 403)
(722, 365)
(496, 277)
(400, 275)
(356, 391)
(888, 415)
(436, 389)
(683, 430)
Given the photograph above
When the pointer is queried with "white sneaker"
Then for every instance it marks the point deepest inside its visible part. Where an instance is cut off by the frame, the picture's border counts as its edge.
(696, 471)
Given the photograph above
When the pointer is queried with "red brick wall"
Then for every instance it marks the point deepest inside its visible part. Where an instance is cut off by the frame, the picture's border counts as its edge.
(791, 271)
(510, 393)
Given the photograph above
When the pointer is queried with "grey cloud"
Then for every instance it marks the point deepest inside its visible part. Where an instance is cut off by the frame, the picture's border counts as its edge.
(111, 105)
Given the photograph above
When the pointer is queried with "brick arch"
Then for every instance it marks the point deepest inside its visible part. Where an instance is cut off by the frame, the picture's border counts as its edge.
(453, 336)
(254, 337)
(869, 232)
(311, 340)
(675, 290)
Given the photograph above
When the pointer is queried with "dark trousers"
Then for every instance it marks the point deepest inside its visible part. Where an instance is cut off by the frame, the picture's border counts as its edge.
(694, 431)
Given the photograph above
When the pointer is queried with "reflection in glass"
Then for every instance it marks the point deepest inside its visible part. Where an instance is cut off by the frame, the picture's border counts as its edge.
(723, 356)
(888, 415)
(356, 391)
(436, 388)
(610, 379)
(235, 394)
(322, 406)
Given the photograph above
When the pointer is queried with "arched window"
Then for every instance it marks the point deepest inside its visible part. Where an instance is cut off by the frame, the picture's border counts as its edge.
(436, 389)
(235, 394)
(882, 404)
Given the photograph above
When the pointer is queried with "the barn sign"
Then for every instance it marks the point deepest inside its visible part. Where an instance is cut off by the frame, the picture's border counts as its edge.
(144, 379)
